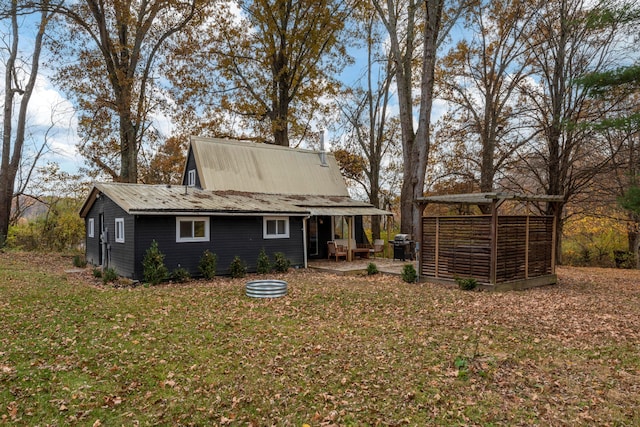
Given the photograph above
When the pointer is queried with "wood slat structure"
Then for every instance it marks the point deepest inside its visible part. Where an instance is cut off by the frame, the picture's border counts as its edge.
(499, 251)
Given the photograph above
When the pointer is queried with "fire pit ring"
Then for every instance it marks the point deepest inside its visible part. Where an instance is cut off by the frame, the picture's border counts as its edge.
(268, 288)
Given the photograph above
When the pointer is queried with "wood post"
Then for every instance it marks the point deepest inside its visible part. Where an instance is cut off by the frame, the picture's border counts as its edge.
(526, 248)
(493, 259)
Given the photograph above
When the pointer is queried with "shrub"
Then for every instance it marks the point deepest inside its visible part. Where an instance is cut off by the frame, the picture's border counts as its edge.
(263, 265)
(208, 265)
(281, 264)
(468, 284)
(372, 269)
(97, 273)
(154, 269)
(79, 261)
(624, 259)
(237, 269)
(180, 275)
(109, 275)
(60, 229)
(409, 274)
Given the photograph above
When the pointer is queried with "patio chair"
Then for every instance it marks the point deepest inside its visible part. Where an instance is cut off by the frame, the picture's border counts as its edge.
(378, 247)
(336, 251)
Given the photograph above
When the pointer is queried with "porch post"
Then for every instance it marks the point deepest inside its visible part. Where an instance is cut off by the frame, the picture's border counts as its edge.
(304, 239)
(350, 236)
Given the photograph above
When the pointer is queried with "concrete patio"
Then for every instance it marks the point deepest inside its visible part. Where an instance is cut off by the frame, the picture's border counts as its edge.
(359, 266)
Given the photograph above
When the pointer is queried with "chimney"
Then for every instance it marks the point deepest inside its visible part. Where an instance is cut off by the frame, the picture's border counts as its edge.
(323, 153)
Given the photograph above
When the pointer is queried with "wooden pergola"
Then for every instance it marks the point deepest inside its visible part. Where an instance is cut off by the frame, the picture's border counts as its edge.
(500, 251)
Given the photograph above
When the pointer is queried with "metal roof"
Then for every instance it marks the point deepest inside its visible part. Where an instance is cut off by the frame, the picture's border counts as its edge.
(144, 199)
(231, 165)
(487, 198)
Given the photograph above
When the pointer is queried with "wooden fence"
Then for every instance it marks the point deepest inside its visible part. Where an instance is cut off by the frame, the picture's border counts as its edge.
(464, 246)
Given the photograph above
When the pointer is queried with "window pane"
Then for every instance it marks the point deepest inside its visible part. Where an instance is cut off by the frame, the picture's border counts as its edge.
(186, 229)
(198, 229)
(281, 226)
(271, 227)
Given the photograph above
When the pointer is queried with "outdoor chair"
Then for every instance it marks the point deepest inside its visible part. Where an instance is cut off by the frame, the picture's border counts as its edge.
(378, 247)
(336, 251)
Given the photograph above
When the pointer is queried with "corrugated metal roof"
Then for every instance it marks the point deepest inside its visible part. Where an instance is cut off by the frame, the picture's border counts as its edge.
(142, 199)
(346, 211)
(230, 165)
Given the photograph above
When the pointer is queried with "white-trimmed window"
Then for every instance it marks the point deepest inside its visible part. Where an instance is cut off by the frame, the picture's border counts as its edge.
(119, 230)
(276, 227)
(90, 225)
(191, 178)
(192, 229)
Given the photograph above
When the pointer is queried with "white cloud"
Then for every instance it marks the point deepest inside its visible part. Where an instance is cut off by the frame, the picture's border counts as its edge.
(51, 119)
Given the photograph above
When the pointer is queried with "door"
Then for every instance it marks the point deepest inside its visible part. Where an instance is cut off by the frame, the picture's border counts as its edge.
(318, 234)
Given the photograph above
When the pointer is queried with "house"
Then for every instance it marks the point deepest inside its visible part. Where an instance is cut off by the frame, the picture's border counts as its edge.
(236, 199)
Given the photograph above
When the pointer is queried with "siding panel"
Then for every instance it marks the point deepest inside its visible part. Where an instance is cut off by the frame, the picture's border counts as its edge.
(229, 236)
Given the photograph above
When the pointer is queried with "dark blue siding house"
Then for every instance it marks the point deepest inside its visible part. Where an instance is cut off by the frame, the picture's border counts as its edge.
(236, 199)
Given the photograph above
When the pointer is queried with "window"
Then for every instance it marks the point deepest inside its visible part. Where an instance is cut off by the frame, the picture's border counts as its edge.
(90, 223)
(191, 178)
(119, 230)
(192, 229)
(276, 228)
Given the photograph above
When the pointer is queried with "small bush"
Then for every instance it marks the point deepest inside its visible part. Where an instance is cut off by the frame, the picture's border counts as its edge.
(97, 273)
(281, 264)
(109, 275)
(372, 269)
(180, 275)
(467, 284)
(263, 265)
(238, 268)
(79, 261)
(208, 265)
(409, 274)
(154, 270)
(624, 259)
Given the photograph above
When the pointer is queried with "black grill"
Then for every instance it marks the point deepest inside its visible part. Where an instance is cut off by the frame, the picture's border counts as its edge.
(403, 247)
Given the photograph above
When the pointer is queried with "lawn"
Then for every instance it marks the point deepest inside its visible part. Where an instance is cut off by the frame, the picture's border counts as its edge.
(335, 351)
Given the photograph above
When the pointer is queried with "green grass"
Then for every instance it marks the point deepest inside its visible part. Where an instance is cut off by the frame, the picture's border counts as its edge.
(348, 351)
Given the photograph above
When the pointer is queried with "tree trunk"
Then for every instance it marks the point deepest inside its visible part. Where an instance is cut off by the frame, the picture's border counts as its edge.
(555, 209)
(128, 149)
(374, 199)
(486, 172)
(11, 159)
(633, 237)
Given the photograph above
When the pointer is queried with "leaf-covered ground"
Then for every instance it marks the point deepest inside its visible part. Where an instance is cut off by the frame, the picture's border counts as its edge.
(335, 351)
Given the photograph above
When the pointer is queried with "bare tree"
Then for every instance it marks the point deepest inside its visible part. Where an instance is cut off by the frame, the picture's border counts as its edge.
(563, 47)
(20, 80)
(480, 78)
(371, 132)
(415, 31)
